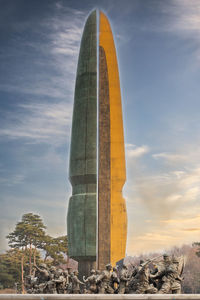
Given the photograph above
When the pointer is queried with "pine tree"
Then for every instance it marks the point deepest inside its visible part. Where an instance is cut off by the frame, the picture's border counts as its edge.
(28, 233)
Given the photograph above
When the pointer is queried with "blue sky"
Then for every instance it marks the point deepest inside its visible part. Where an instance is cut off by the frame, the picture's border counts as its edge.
(158, 50)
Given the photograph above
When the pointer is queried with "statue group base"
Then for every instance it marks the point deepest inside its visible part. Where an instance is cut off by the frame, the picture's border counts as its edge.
(100, 297)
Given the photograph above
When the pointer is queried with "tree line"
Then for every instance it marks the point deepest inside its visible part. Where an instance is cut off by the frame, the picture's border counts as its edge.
(29, 245)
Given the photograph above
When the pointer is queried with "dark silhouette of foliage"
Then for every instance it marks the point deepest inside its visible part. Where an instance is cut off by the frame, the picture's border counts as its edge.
(28, 243)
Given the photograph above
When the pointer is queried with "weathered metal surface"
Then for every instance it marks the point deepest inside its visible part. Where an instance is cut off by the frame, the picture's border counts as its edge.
(82, 223)
(104, 165)
(118, 219)
(81, 219)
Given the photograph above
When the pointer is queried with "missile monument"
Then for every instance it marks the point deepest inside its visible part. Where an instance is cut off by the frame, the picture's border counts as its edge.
(96, 220)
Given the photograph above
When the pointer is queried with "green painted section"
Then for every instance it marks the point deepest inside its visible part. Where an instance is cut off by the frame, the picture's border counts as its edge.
(81, 219)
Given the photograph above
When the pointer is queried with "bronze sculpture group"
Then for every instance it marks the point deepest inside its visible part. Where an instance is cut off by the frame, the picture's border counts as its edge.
(150, 277)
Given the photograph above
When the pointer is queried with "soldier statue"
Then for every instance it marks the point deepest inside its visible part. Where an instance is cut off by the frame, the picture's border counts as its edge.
(134, 279)
(91, 282)
(76, 283)
(143, 285)
(71, 275)
(104, 279)
(51, 284)
(31, 283)
(176, 284)
(67, 279)
(98, 283)
(115, 280)
(43, 275)
(166, 275)
(59, 279)
(124, 278)
(164, 278)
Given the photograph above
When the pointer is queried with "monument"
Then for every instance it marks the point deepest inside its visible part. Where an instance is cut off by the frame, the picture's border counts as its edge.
(96, 221)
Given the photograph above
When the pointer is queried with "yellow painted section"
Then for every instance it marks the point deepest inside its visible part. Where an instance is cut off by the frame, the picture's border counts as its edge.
(118, 215)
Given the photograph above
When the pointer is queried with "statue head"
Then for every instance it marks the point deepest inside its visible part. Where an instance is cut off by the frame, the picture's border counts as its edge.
(92, 271)
(175, 260)
(53, 269)
(124, 267)
(60, 271)
(109, 267)
(66, 273)
(76, 273)
(166, 257)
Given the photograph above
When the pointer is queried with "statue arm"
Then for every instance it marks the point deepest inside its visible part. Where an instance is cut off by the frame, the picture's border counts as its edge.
(157, 275)
(80, 281)
(100, 277)
(85, 280)
(124, 278)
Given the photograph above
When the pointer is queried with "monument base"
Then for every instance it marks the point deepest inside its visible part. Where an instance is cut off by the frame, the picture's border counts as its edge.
(100, 297)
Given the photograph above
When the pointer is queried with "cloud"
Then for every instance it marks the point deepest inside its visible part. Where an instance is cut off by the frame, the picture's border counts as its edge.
(132, 151)
(192, 177)
(178, 18)
(13, 179)
(63, 43)
(44, 114)
(40, 65)
(185, 16)
(170, 157)
(47, 60)
(191, 229)
(163, 203)
(161, 236)
(183, 21)
(164, 193)
(185, 218)
(156, 237)
(40, 122)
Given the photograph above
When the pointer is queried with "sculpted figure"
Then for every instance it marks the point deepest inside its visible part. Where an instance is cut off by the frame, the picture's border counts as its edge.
(105, 281)
(51, 284)
(43, 276)
(142, 277)
(177, 278)
(66, 276)
(98, 283)
(164, 275)
(59, 279)
(31, 283)
(91, 282)
(134, 280)
(115, 280)
(123, 282)
(76, 283)
(71, 275)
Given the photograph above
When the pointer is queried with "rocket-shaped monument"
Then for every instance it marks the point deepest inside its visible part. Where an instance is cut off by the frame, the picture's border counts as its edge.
(96, 221)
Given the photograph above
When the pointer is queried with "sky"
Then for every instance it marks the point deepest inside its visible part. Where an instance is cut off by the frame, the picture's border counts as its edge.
(158, 49)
